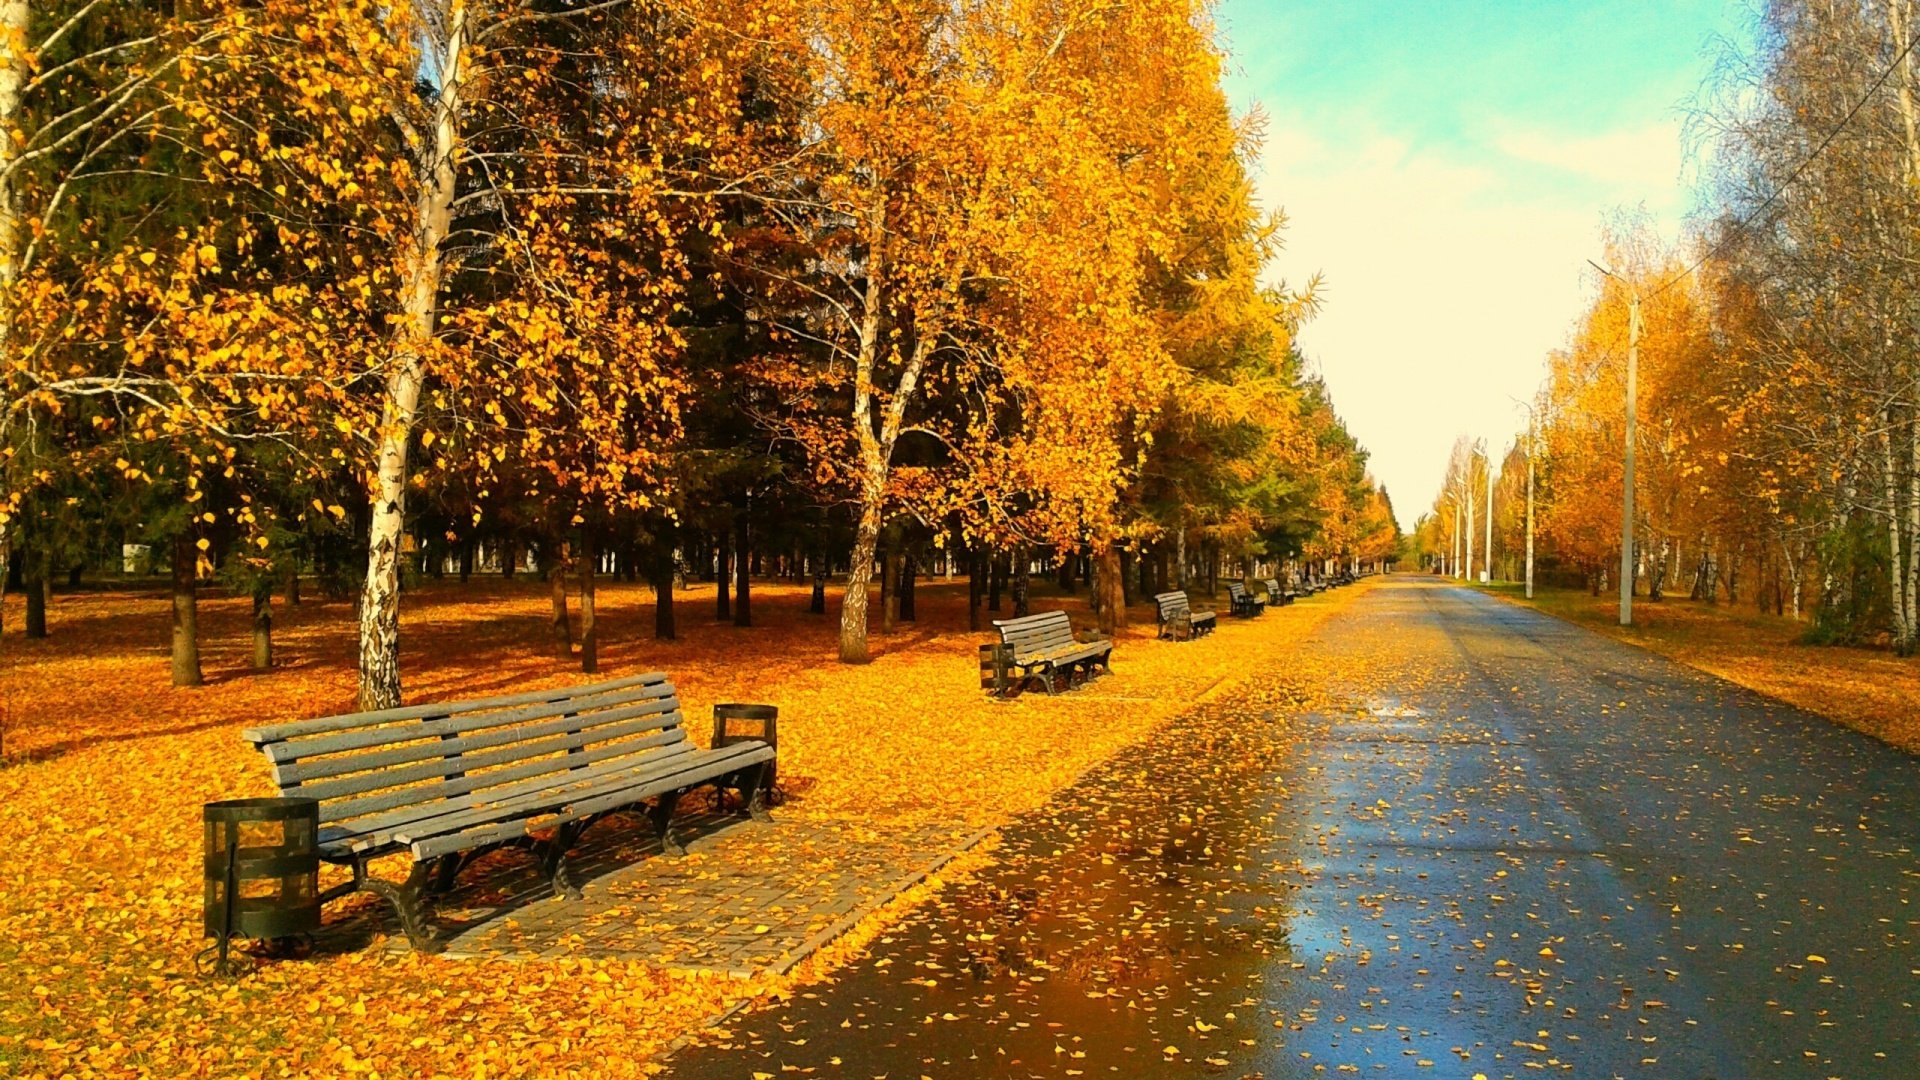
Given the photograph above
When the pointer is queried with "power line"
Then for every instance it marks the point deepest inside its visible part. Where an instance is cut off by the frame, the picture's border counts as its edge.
(1740, 226)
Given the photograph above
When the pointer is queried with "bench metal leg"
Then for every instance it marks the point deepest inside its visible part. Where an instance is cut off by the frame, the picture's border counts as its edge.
(409, 903)
(661, 815)
(445, 870)
(757, 799)
(553, 860)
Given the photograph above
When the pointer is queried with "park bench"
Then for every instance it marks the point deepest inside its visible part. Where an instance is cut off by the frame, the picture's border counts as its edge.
(1245, 604)
(444, 783)
(1277, 595)
(1043, 646)
(1178, 620)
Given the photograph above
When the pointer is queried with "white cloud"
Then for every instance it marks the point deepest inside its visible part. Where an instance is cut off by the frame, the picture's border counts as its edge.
(1451, 271)
(1645, 159)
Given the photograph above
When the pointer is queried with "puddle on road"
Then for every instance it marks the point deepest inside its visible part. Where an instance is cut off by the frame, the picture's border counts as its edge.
(1126, 930)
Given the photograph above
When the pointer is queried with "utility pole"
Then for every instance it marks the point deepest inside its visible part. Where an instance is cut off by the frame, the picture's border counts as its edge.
(1626, 512)
(1453, 561)
(1626, 485)
(1468, 484)
(1486, 575)
(1530, 445)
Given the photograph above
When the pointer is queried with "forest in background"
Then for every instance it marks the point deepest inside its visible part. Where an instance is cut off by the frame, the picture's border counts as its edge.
(363, 291)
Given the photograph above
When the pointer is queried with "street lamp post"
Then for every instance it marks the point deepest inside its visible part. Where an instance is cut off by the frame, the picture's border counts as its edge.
(1626, 499)
(1626, 486)
(1453, 561)
(1530, 445)
(1467, 483)
(1533, 424)
(1486, 575)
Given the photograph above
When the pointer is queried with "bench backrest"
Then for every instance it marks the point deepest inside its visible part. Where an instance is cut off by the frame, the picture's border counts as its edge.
(1273, 587)
(1173, 605)
(1236, 590)
(370, 768)
(1032, 634)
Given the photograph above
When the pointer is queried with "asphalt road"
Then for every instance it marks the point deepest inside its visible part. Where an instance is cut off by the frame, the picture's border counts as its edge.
(1451, 837)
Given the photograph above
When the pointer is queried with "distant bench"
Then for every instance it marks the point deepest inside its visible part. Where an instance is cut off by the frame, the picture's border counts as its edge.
(446, 782)
(1043, 646)
(1276, 595)
(1177, 619)
(1245, 604)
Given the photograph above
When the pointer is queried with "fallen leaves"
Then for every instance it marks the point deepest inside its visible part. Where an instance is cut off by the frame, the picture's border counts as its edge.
(111, 765)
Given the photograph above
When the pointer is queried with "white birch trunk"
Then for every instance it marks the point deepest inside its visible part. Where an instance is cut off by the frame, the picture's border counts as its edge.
(420, 289)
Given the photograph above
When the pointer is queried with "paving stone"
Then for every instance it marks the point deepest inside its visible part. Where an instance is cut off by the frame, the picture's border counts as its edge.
(700, 913)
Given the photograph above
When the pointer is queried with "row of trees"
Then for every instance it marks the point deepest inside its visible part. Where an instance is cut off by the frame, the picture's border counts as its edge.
(316, 284)
(1778, 445)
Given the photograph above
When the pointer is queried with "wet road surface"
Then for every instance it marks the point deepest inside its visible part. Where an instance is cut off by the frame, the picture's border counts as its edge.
(1450, 837)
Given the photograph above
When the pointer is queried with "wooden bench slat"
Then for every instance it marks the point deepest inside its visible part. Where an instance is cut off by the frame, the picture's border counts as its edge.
(460, 723)
(709, 764)
(320, 725)
(525, 759)
(391, 809)
(434, 749)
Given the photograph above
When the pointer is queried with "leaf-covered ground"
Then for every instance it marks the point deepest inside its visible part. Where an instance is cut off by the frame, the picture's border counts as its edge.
(107, 767)
(1867, 689)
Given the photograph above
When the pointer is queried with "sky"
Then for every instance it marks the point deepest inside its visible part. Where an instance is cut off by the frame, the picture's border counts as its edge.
(1448, 165)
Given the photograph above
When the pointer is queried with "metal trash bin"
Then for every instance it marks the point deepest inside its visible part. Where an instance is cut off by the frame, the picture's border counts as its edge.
(995, 660)
(765, 719)
(262, 868)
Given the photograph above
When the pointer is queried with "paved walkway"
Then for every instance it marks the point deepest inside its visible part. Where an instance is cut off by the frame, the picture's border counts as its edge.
(748, 897)
(1508, 847)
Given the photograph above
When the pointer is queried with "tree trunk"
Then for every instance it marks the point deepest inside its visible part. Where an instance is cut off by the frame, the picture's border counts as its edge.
(34, 585)
(889, 588)
(589, 639)
(509, 557)
(17, 66)
(1022, 564)
(976, 587)
(466, 560)
(419, 293)
(186, 630)
(996, 577)
(1066, 572)
(853, 602)
(662, 577)
(742, 589)
(722, 577)
(817, 603)
(293, 586)
(1110, 581)
(909, 580)
(876, 448)
(263, 624)
(554, 555)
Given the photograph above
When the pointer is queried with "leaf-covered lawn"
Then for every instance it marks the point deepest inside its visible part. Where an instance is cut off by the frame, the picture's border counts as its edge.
(108, 766)
(1867, 689)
